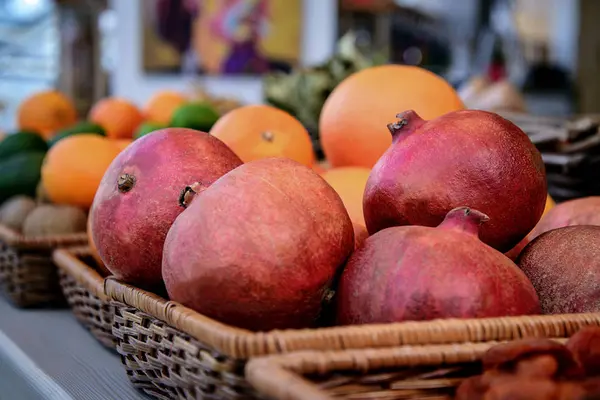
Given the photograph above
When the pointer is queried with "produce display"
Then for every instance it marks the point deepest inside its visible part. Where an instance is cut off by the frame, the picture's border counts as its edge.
(422, 210)
(255, 234)
(539, 369)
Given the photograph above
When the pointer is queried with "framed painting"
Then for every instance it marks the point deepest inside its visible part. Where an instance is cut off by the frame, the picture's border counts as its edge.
(221, 37)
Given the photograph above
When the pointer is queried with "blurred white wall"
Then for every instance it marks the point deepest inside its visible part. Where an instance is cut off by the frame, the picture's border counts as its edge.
(128, 79)
(555, 22)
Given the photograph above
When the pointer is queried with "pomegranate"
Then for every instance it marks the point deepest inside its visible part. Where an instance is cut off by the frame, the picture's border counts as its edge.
(259, 249)
(582, 211)
(564, 267)
(421, 273)
(137, 200)
(472, 158)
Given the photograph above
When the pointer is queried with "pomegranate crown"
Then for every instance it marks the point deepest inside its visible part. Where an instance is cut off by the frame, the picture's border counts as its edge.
(407, 122)
(464, 219)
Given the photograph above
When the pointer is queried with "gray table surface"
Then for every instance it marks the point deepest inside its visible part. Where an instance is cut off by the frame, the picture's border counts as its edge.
(46, 354)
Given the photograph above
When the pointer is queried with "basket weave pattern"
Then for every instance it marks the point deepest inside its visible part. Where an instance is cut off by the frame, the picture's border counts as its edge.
(409, 372)
(166, 363)
(83, 287)
(171, 351)
(28, 276)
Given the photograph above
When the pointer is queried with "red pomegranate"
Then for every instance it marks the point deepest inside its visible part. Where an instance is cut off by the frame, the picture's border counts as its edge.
(259, 248)
(582, 211)
(564, 267)
(422, 273)
(137, 200)
(472, 158)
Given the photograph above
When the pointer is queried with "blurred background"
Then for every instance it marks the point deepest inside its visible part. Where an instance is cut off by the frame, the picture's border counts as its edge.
(534, 61)
(541, 54)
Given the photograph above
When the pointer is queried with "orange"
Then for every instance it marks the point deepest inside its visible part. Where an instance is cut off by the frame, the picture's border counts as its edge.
(353, 122)
(122, 143)
(46, 112)
(161, 106)
(261, 131)
(549, 204)
(117, 116)
(74, 167)
(349, 183)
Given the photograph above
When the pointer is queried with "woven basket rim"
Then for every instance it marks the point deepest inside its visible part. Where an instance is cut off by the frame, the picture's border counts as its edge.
(280, 376)
(240, 343)
(18, 241)
(68, 260)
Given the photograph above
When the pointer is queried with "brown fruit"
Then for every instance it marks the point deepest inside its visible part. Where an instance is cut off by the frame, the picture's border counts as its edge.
(508, 356)
(472, 388)
(523, 389)
(585, 345)
(14, 211)
(538, 367)
(51, 220)
(564, 267)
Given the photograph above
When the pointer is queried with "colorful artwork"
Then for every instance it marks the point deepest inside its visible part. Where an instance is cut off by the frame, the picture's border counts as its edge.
(222, 36)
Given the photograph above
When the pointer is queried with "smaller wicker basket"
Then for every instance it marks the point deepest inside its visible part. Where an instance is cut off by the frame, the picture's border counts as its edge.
(408, 372)
(83, 287)
(173, 352)
(28, 276)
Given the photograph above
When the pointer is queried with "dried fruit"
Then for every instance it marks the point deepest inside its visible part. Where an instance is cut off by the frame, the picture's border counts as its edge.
(523, 389)
(585, 346)
(507, 356)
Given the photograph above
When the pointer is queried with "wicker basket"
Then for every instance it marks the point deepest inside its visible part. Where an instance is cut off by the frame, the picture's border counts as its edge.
(408, 372)
(83, 287)
(170, 351)
(28, 276)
